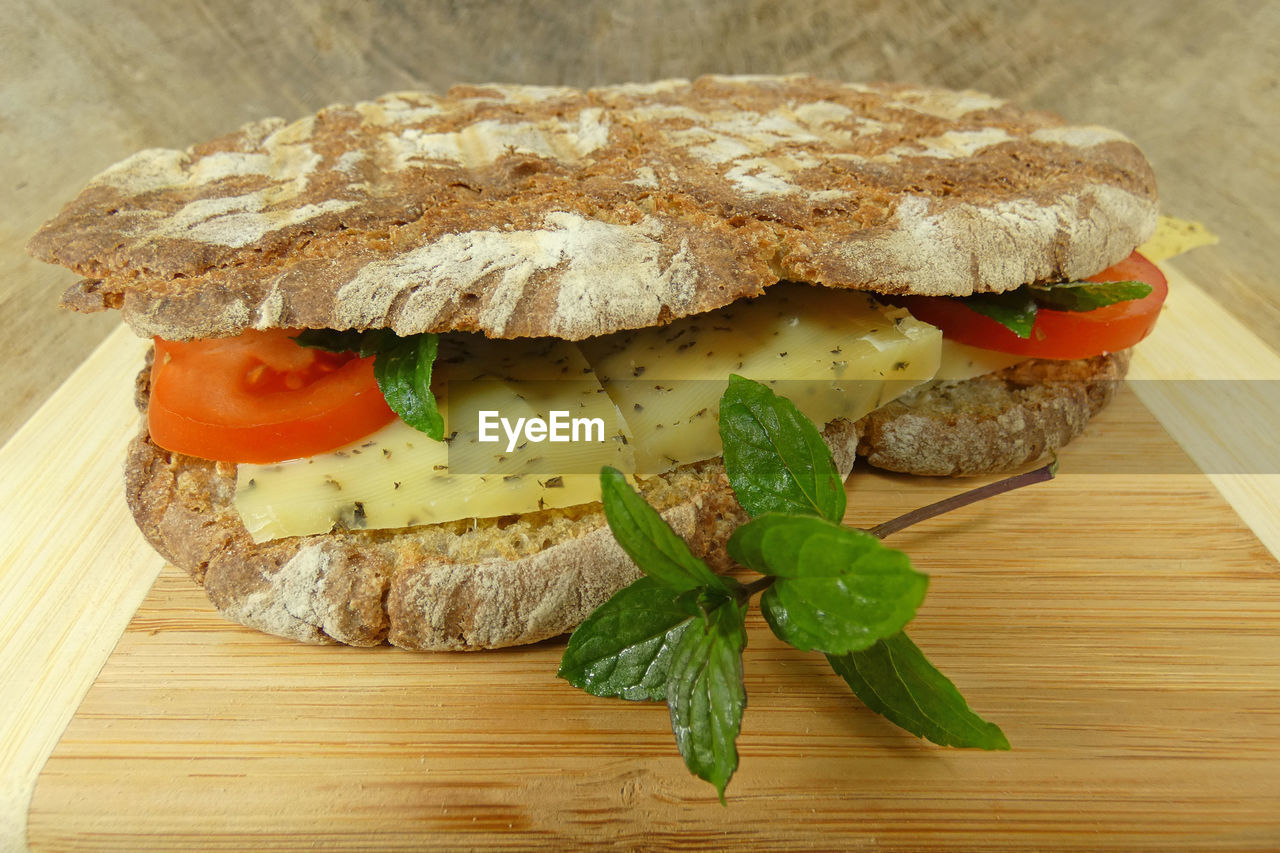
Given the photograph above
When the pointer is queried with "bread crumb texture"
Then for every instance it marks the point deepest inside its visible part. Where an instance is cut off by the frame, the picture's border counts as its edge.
(994, 422)
(530, 211)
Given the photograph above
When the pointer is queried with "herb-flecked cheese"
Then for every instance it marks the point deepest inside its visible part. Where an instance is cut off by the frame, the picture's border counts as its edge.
(835, 354)
(961, 361)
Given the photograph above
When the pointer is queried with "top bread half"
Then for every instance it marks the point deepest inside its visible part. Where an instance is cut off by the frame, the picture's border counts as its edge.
(522, 211)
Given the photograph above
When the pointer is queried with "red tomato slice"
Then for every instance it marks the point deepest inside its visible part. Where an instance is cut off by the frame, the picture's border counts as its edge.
(1056, 334)
(260, 397)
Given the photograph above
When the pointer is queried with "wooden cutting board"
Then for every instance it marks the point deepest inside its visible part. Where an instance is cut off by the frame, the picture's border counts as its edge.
(1123, 629)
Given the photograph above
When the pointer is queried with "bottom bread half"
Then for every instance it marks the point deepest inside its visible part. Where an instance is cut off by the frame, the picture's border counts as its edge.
(487, 583)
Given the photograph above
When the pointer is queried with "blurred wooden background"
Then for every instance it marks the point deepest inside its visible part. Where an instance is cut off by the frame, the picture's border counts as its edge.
(84, 83)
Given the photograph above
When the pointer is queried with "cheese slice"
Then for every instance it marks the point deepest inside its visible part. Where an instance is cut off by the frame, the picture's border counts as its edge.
(526, 378)
(961, 361)
(835, 354)
(399, 477)
(1173, 237)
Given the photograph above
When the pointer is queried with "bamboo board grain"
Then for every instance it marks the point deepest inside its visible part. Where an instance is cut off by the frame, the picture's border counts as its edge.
(1122, 628)
(74, 567)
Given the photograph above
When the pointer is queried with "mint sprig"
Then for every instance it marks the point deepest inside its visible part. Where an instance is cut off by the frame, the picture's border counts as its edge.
(401, 366)
(678, 633)
(1016, 310)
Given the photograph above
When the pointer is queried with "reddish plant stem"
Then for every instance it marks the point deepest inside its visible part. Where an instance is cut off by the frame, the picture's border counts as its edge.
(1008, 484)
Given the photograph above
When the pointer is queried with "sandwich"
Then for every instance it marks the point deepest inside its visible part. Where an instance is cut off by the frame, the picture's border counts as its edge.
(540, 262)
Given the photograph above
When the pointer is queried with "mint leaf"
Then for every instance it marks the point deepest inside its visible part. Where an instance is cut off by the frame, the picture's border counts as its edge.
(1087, 295)
(837, 589)
(705, 693)
(624, 647)
(375, 341)
(403, 371)
(775, 457)
(702, 600)
(894, 679)
(366, 343)
(650, 541)
(330, 340)
(1015, 310)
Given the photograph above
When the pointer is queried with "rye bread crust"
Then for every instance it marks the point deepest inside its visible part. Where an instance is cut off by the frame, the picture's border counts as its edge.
(501, 582)
(991, 423)
(531, 211)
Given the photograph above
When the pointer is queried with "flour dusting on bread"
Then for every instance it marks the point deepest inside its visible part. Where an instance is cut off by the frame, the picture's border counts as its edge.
(719, 187)
(603, 270)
